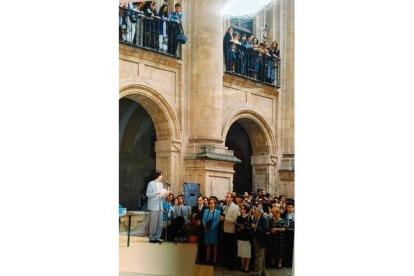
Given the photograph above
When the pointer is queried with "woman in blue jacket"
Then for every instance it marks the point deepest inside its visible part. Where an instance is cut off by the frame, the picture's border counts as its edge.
(210, 223)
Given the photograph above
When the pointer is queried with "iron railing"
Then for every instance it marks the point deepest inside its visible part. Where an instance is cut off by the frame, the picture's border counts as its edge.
(253, 64)
(150, 33)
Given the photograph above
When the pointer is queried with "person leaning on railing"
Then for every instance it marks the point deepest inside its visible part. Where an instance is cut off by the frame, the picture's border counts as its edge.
(228, 37)
(139, 32)
(162, 28)
(131, 20)
(150, 39)
(274, 53)
(267, 63)
(243, 56)
(175, 28)
(235, 65)
(254, 58)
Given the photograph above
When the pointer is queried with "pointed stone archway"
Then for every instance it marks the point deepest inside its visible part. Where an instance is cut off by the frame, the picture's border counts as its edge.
(167, 131)
(263, 148)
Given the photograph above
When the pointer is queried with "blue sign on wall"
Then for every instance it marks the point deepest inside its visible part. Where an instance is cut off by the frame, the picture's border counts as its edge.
(191, 192)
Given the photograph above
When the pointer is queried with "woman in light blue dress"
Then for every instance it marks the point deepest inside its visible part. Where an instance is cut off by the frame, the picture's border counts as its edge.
(210, 223)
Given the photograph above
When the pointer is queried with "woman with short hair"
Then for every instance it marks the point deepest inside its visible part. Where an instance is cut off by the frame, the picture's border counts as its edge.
(244, 237)
(276, 242)
(210, 223)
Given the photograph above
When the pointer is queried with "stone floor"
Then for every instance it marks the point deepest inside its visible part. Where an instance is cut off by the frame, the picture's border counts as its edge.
(222, 271)
(135, 260)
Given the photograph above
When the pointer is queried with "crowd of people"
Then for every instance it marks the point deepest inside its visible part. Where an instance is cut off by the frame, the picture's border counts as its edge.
(247, 56)
(140, 24)
(242, 231)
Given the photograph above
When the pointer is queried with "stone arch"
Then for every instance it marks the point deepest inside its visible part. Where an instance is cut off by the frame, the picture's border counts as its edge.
(166, 125)
(163, 116)
(260, 133)
(263, 144)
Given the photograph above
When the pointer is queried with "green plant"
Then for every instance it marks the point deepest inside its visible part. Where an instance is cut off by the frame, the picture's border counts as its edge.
(191, 227)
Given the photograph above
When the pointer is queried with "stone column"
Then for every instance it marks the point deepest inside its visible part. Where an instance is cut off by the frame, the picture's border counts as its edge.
(286, 118)
(207, 161)
(264, 173)
(206, 87)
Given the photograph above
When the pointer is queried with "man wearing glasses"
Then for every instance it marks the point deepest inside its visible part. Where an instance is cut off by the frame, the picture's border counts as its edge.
(230, 214)
(155, 199)
(180, 219)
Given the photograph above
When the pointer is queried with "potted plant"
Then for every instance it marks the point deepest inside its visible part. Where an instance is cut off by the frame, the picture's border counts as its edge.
(191, 228)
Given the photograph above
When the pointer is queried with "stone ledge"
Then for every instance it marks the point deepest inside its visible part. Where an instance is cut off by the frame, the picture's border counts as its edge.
(235, 81)
(146, 54)
(212, 152)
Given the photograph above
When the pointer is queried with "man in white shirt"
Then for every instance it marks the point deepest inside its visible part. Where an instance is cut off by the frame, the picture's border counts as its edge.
(231, 212)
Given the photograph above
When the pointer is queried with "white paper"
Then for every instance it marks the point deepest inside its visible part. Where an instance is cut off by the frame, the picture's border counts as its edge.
(164, 192)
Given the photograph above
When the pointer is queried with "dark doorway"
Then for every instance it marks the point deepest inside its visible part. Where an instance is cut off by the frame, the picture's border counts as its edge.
(136, 153)
(238, 141)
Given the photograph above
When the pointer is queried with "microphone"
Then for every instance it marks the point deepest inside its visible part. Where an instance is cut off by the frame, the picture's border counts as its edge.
(169, 184)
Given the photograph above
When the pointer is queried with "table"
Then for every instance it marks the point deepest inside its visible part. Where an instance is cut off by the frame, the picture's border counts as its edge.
(129, 215)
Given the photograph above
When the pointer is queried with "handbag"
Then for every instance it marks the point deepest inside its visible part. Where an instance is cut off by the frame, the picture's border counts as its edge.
(209, 223)
(181, 37)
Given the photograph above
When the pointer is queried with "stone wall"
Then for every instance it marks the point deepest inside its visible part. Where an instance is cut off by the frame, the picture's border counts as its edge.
(139, 224)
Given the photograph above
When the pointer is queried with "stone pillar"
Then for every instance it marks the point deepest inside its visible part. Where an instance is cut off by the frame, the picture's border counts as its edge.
(206, 87)
(286, 121)
(207, 161)
(264, 173)
(215, 177)
(168, 158)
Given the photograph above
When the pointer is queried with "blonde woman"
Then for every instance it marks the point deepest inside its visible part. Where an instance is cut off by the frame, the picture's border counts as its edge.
(276, 248)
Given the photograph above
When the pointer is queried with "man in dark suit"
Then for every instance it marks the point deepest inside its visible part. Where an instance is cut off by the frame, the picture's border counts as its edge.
(198, 212)
(289, 217)
(260, 228)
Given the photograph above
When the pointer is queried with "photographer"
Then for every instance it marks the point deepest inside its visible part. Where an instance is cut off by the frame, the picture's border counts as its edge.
(210, 223)
(244, 236)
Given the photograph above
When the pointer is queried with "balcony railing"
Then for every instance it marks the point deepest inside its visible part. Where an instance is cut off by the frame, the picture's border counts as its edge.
(253, 64)
(150, 33)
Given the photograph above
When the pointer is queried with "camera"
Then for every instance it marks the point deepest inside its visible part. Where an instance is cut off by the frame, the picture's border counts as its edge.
(291, 224)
